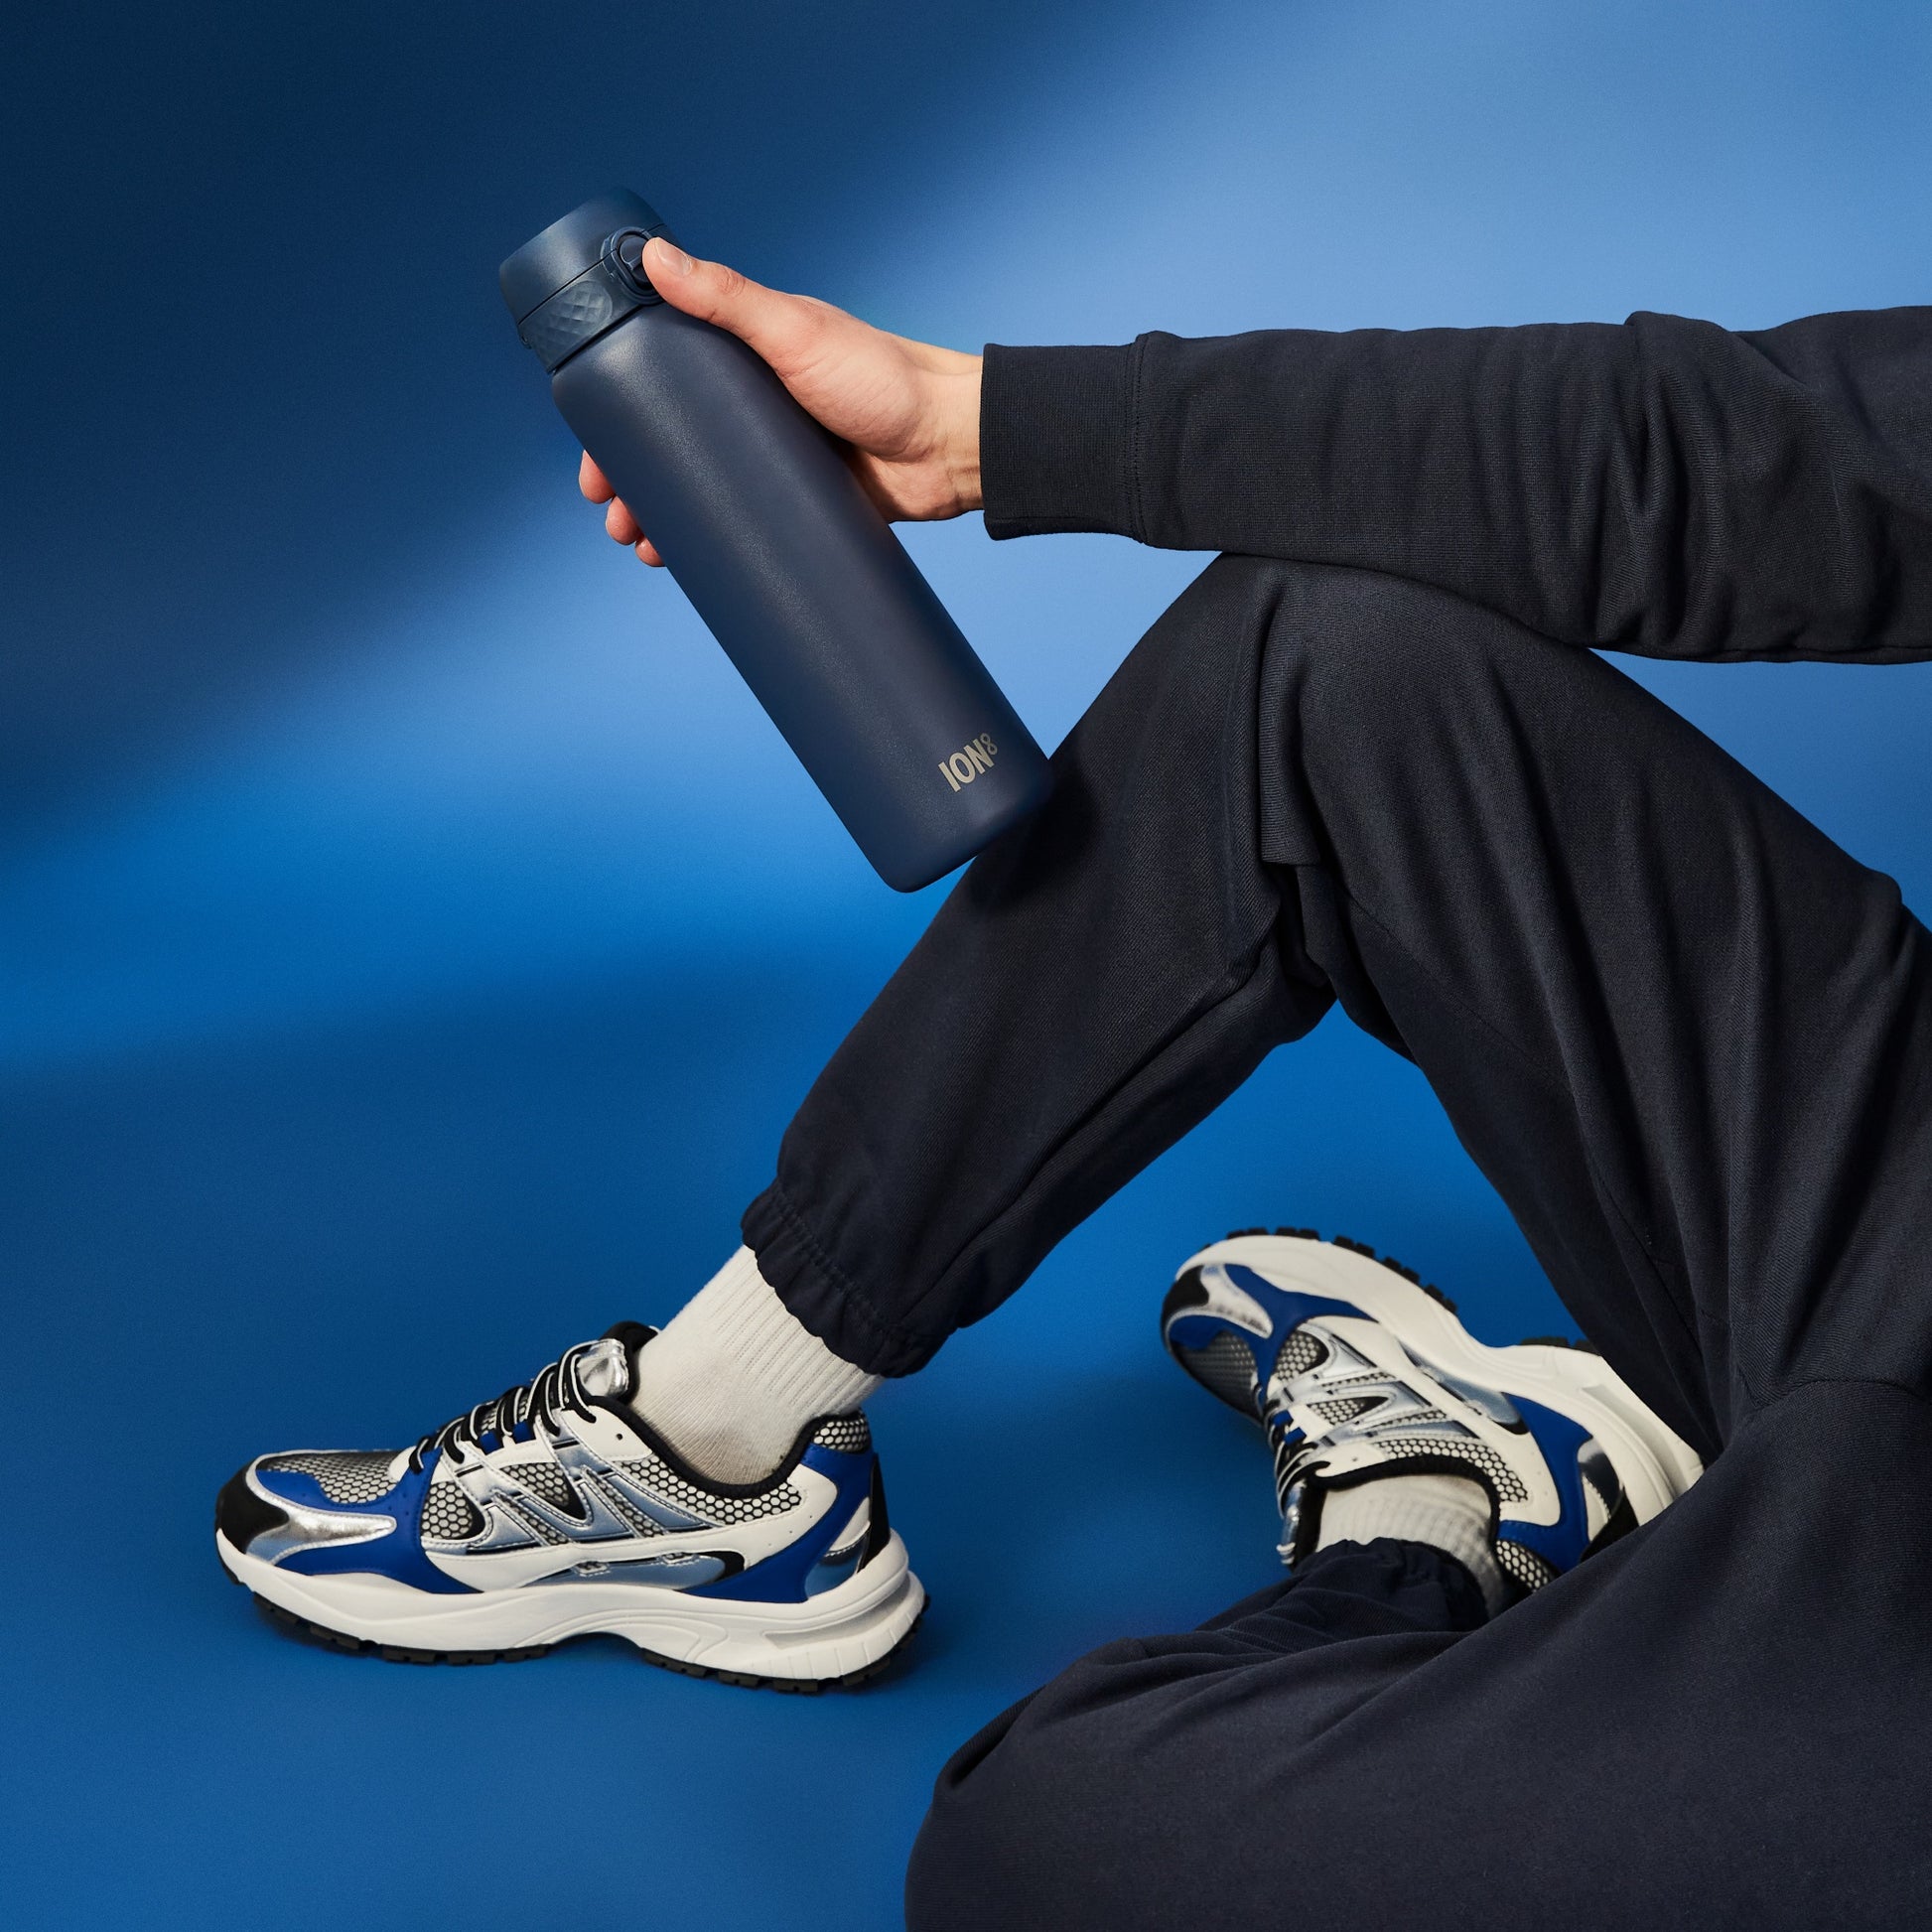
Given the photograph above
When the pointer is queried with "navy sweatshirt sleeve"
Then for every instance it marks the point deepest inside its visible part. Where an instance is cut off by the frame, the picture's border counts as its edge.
(1665, 486)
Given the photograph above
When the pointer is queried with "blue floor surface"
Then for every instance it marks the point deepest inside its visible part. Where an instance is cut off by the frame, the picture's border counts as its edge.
(419, 939)
(344, 1237)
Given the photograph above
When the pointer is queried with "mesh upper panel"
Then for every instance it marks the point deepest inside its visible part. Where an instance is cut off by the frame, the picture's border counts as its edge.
(848, 1434)
(343, 1476)
(649, 1473)
(1466, 1449)
(1523, 1566)
(448, 1516)
(1300, 1353)
(1224, 1366)
(1345, 1408)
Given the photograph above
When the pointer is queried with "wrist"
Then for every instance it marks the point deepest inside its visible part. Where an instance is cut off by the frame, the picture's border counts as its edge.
(960, 432)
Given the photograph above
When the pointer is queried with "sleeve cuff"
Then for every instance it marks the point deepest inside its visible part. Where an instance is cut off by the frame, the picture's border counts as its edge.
(1057, 435)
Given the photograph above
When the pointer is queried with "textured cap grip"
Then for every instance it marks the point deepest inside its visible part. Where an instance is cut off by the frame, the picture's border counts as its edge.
(579, 313)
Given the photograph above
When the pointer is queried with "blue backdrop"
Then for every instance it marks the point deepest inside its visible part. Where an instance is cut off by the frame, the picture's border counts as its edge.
(412, 939)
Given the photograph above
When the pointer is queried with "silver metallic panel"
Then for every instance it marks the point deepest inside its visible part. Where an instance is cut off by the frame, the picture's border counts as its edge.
(309, 1529)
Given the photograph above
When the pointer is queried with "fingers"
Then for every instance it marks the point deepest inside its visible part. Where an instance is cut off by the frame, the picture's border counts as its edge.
(623, 526)
(618, 520)
(783, 328)
(623, 529)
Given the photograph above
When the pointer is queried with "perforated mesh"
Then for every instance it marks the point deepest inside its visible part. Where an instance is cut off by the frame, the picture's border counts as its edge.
(1224, 1366)
(649, 1473)
(1523, 1566)
(1467, 1448)
(1345, 1409)
(343, 1476)
(448, 1516)
(847, 1434)
(1300, 1353)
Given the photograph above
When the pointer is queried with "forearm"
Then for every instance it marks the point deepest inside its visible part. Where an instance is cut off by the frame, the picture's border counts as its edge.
(1664, 486)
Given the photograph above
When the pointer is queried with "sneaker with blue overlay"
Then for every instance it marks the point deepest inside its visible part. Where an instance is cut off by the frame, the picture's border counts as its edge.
(553, 1511)
(1354, 1368)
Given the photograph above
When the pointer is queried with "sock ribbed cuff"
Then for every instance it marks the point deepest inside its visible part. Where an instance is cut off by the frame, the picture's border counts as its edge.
(1450, 1512)
(736, 1375)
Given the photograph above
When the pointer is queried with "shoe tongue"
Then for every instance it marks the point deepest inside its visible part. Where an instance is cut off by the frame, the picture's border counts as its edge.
(608, 1368)
(604, 1369)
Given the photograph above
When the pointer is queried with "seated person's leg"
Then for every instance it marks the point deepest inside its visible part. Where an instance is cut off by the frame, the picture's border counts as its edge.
(1096, 983)
(1088, 993)
(1691, 1043)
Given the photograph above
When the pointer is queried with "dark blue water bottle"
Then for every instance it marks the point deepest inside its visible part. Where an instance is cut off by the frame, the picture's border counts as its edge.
(782, 552)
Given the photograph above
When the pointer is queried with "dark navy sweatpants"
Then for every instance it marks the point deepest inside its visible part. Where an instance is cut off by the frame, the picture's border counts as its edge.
(1688, 1040)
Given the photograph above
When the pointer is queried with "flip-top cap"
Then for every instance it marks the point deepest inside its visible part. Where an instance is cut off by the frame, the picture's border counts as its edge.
(580, 275)
(565, 249)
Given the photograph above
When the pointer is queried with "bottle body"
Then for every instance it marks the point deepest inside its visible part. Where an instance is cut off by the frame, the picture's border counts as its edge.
(802, 582)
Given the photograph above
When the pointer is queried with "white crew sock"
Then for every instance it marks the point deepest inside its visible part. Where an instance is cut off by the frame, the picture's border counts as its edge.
(736, 1375)
(1452, 1512)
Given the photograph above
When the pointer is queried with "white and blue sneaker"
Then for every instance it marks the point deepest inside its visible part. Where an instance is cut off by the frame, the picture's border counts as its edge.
(1353, 1368)
(554, 1512)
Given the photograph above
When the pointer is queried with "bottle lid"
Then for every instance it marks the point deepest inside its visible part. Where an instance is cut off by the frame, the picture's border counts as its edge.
(580, 275)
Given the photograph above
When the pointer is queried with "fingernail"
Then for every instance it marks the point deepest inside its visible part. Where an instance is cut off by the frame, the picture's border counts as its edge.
(672, 256)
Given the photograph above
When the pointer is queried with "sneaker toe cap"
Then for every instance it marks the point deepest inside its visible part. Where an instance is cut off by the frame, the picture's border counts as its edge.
(270, 1510)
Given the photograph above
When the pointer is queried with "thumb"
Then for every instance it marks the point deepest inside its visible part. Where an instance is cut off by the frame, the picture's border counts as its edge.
(776, 326)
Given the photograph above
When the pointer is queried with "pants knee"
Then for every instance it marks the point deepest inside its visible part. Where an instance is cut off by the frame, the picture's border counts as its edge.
(1377, 694)
(1353, 654)
(1349, 650)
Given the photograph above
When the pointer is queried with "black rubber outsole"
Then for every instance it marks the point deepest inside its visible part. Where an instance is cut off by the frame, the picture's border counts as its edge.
(306, 1630)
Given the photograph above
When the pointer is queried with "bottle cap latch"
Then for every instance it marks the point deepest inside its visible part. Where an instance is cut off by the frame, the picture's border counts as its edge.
(624, 253)
(582, 275)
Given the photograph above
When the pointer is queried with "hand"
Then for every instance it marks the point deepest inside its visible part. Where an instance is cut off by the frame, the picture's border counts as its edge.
(907, 413)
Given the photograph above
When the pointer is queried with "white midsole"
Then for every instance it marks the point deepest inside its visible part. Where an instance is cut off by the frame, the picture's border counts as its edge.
(1655, 1464)
(831, 1635)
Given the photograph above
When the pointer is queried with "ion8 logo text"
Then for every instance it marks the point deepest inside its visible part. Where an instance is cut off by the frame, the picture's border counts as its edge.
(969, 762)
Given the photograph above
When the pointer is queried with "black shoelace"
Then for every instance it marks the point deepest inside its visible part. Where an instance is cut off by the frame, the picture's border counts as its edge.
(547, 1397)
